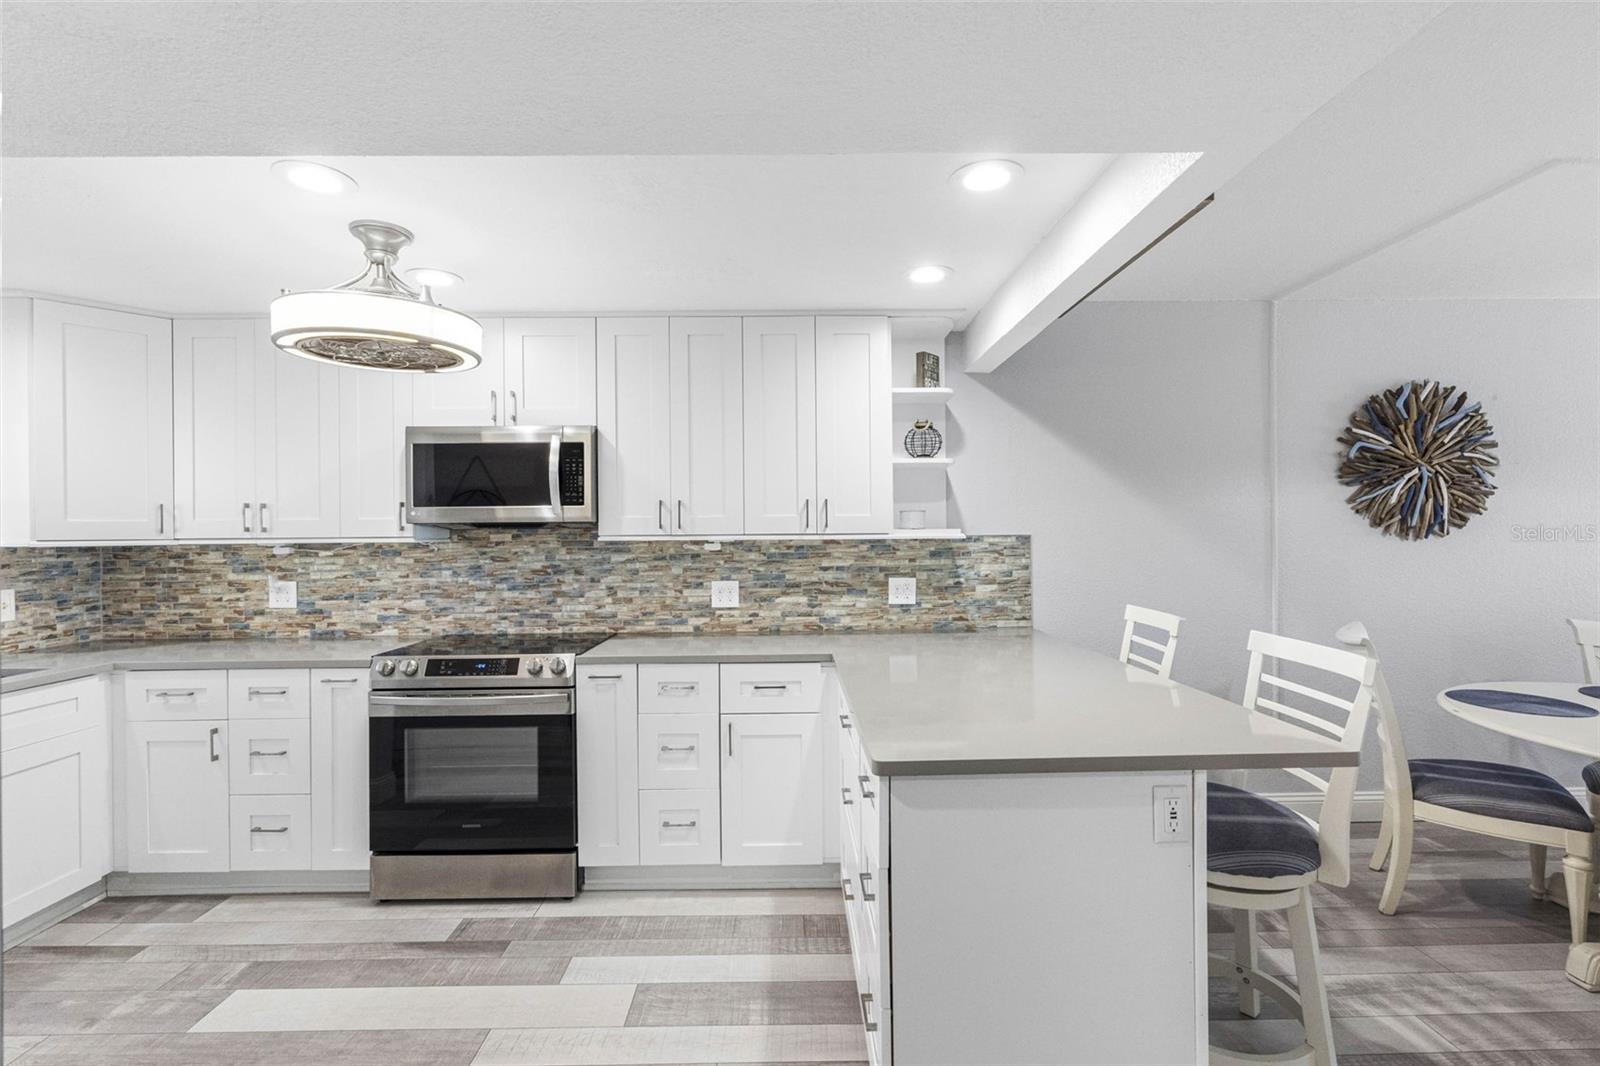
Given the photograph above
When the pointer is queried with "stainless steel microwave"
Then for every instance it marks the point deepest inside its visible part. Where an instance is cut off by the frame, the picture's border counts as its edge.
(500, 475)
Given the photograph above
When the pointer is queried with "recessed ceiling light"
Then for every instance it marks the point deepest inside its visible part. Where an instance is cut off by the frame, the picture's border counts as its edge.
(929, 274)
(314, 177)
(433, 277)
(987, 175)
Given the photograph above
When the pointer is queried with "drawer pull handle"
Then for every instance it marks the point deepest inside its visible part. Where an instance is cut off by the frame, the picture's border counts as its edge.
(211, 742)
(338, 681)
(844, 791)
(864, 793)
(174, 694)
(267, 754)
(865, 895)
(605, 677)
(264, 829)
(681, 747)
(678, 688)
(680, 825)
(770, 688)
(268, 692)
(848, 898)
(866, 1012)
(844, 721)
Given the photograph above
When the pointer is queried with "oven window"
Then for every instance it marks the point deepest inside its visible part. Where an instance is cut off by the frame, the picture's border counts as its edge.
(499, 474)
(472, 765)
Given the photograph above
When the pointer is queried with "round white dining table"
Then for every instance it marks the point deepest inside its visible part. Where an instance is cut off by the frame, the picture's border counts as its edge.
(1577, 734)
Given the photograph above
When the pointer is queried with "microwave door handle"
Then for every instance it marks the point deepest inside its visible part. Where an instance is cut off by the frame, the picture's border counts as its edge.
(555, 472)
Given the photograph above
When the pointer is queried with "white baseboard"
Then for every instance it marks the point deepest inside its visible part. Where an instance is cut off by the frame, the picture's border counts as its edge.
(604, 878)
(25, 929)
(236, 883)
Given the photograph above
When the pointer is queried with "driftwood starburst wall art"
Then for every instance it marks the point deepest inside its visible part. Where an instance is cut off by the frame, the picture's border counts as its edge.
(1417, 459)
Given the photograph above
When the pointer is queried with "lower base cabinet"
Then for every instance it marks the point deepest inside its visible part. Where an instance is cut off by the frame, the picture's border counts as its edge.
(57, 841)
(340, 796)
(177, 777)
(771, 790)
(270, 832)
(680, 827)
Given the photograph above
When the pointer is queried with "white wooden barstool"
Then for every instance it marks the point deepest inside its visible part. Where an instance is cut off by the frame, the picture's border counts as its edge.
(1262, 856)
(1494, 799)
(1588, 633)
(1159, 660)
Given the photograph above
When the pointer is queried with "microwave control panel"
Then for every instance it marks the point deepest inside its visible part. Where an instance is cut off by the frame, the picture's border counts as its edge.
(571, 487)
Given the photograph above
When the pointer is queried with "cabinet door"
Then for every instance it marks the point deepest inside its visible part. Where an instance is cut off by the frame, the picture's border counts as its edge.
(297, 449)
(855, 473)
(177, 780)
(213, 427)
(780, 425)
(707, 425)
(634, 425)
(57, 838)
(101, 424)
(550, 364)
(771, 790)
(374, 410)
(339, 797)
(473, 397)
(608, 765)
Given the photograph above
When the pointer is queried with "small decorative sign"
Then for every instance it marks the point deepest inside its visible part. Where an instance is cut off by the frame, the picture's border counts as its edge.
(1417, 459)
(927, 370)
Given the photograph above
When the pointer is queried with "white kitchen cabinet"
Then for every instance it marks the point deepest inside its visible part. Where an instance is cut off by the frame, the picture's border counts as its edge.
(297, 450)
(177, 796)
(374, 410)
(339, 794)
(771, 688)
(473, 397)
(679, 827)
(772, 805)
(608, 765)
(855, 472)
(100, 422)
(270, 693)
(780, 425)
(707, 425)
(269, 832)
(175, 695)
(678, 751)
(214, 426)
(550, 371)
(269, 756)
(634, 425)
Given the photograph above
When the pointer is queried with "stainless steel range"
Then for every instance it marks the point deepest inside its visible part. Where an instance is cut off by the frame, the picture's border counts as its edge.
(473, 768)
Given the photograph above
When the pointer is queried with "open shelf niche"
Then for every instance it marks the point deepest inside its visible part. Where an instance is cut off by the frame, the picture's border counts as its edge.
(920, 484)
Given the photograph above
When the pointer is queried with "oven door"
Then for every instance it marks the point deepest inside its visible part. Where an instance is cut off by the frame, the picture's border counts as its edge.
(500, 474)
(472, 773)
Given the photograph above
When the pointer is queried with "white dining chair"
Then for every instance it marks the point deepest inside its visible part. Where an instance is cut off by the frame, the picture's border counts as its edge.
(1262, 856)
(1588, 633)
(1159, 658)
(1494, 799)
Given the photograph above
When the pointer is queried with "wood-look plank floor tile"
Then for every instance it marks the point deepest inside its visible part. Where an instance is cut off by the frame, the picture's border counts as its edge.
(276, 932)
(797, 945)
(438, 1047)
(1506, 992)
(419, 949)
(659, 1046)
(147, 909)
(1472, 958)
(35, 952)
(629, 927)
(652, 969)
(1531, 1031)
(56, 1013)
(746, 1003)
(736, 902)
(1351, 1036)
(89, 976)
(260, 1010)
(358, 907)
(1579, 1057)
(374, 973)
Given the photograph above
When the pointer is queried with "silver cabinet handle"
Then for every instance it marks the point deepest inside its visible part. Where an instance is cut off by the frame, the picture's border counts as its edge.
(844, 792)
(267, 754)
(253, 691)
(864, 793)
(174, 694)
(824, 515)
(211, 743)
(661, 513)
(784, 687)
(866, 1012)
(730, 740)
(680, 516)
(684, 747)
(865, 895)
(677, 688)
(339, 680)
(400, 516)
(494, 408)
(845, 883)
(161, 518)
(844, 721)
(805, 511)
(264, 829)
(511, 406)
(605, 677)
(264, 525)
(680, 825)
(247, 518)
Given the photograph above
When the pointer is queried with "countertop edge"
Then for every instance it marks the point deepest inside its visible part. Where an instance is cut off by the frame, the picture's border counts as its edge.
(1105, 764)
(60, 675)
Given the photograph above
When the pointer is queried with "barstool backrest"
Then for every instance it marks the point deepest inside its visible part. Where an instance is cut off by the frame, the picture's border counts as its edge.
(1320, 719)
(1158, 660)
(1589, 643)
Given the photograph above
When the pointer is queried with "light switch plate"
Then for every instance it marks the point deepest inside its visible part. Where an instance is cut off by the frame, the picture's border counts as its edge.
(902, 591)
(281, 595)
(724, 594)
(8, 605)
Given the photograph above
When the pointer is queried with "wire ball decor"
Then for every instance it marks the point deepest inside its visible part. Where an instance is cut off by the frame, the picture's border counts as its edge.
(922, 440)
(1417, 460)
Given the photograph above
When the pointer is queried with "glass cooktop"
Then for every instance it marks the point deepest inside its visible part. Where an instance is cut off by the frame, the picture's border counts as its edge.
(488, 644)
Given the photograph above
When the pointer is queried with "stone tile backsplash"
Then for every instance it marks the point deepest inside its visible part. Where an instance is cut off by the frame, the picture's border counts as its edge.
(58, 597)
(555, 578)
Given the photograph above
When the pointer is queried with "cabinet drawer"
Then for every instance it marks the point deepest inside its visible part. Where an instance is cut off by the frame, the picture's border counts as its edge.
(175, 695)
(678, 751)
(680, 827)
(269, 756)
(270, 832)
(269, 694)
(675, 689)
(771, 688)
(51, 711)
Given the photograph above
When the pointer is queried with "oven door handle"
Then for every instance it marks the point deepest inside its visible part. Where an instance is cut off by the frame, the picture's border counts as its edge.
(499, 705)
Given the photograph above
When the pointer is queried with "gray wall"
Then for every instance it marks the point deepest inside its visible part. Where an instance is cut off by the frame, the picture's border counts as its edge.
(1135, 441)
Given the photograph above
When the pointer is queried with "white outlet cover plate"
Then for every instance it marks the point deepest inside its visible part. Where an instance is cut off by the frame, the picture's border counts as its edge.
(724, 594)
(1171, 814)
(902, 591)
(8, 605)
(282, 595)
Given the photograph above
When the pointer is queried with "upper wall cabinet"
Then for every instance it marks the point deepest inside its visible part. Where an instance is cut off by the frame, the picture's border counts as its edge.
(855, 475)
(101, 425)
(214, 367)
(780, 425)
(633, 420)
(473, 397)
(374, 410)
(707, 369)
(550, 371)
(297, 446)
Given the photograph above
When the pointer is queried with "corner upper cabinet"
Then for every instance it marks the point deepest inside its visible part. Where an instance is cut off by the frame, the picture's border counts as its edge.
(707, 426)
(633, 370)
(855, 474)
(550, 372)
(473, 397)
(214, 366)
(101, 425)
(780, 425)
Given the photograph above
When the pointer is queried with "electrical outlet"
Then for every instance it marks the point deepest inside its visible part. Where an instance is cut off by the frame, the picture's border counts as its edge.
(724, 594)
(8, 605)
(1171, 814)
(902, 591)
(281, 595)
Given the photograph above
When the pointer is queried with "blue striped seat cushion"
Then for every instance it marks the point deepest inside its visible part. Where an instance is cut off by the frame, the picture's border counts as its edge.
(1496, 790)
(1591, 777)
(1251, 836)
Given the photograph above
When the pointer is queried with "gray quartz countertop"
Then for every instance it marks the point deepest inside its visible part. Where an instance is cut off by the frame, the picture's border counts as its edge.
(48, 667)
(1011, 702)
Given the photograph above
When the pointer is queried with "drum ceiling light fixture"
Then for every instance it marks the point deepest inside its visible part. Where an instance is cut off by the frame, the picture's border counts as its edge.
(376, 321)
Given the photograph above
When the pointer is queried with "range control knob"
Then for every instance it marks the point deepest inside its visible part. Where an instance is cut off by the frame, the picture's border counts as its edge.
(409, 667)
(558, 666)
(386, 667)
(535, 667)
